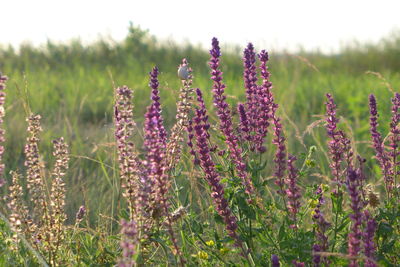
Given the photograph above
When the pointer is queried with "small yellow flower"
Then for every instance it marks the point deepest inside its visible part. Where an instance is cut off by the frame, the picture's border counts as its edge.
(202, 255)
(325, 187)
(313, 203)
(210, 243)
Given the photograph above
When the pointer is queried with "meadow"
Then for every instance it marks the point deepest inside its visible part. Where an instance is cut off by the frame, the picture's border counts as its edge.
(327, 208)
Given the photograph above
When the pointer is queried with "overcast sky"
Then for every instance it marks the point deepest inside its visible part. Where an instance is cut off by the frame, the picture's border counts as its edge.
(271, 24)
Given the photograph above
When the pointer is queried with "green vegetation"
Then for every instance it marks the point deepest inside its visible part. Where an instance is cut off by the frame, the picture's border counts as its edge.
(71, 87)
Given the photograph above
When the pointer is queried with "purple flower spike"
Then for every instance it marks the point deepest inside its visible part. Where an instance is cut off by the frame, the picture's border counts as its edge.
(192, 150)
(395, 136)
(381, 154)
(3, 80)
(155, 97)
(156, 144)
(316, 256)
(275, 261)
(128, 243)
(250, 83)
(244, 123)
(293, 190)
(224, 115)
(201, 126)
(354, 238)
(321, 227)
(280, 154)
(368, 238)
(335, 143)
(265, 102)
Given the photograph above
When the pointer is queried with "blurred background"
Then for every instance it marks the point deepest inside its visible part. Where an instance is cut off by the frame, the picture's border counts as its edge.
(64, 58)
(312, 25)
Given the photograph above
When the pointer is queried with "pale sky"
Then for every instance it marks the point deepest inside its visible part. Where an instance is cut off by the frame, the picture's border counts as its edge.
(271, 24)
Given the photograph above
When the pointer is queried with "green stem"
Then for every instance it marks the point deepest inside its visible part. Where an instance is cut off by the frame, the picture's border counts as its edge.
(338, 202)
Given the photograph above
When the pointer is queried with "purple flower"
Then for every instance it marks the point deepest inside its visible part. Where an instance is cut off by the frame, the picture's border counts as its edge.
(321, 227)
(395, 135)
(155, 97)
(275, 261)
(316, 256)
(354, 237)
(280, 154)
(155, 144)
(128, 243)
(298, 264)
(244, 123)
(224, 115)
(265, 101)
(293, 190)
(368, 238)
(250, 83)
(335, 143)
(192, 150)
(3, 80)
(81, 213)
(381, 154)
(201, 126)
(130, 166)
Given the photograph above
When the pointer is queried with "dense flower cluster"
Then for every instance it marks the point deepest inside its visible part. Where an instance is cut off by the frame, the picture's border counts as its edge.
(250, 84)
(321, 227)
(244, 123)
(275, 261)
(225, 118)
(368, 239)
(57, 195)
(128, 243)
(336, 139)
(280, 154)
(3, 80)
(381, 155)
(201, 127)
(155, 97)
(293, 190)
(267, 106)
(395, 137)
(156, 145)
(129, 164)
(354, 237)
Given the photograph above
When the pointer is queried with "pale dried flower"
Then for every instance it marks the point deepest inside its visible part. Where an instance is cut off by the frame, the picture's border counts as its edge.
(129, 164)
(34, 165)
(57, 196)
(175, 141)
(19, 217)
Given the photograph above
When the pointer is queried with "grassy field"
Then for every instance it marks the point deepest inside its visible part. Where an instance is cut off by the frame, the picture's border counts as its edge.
(72, 87)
